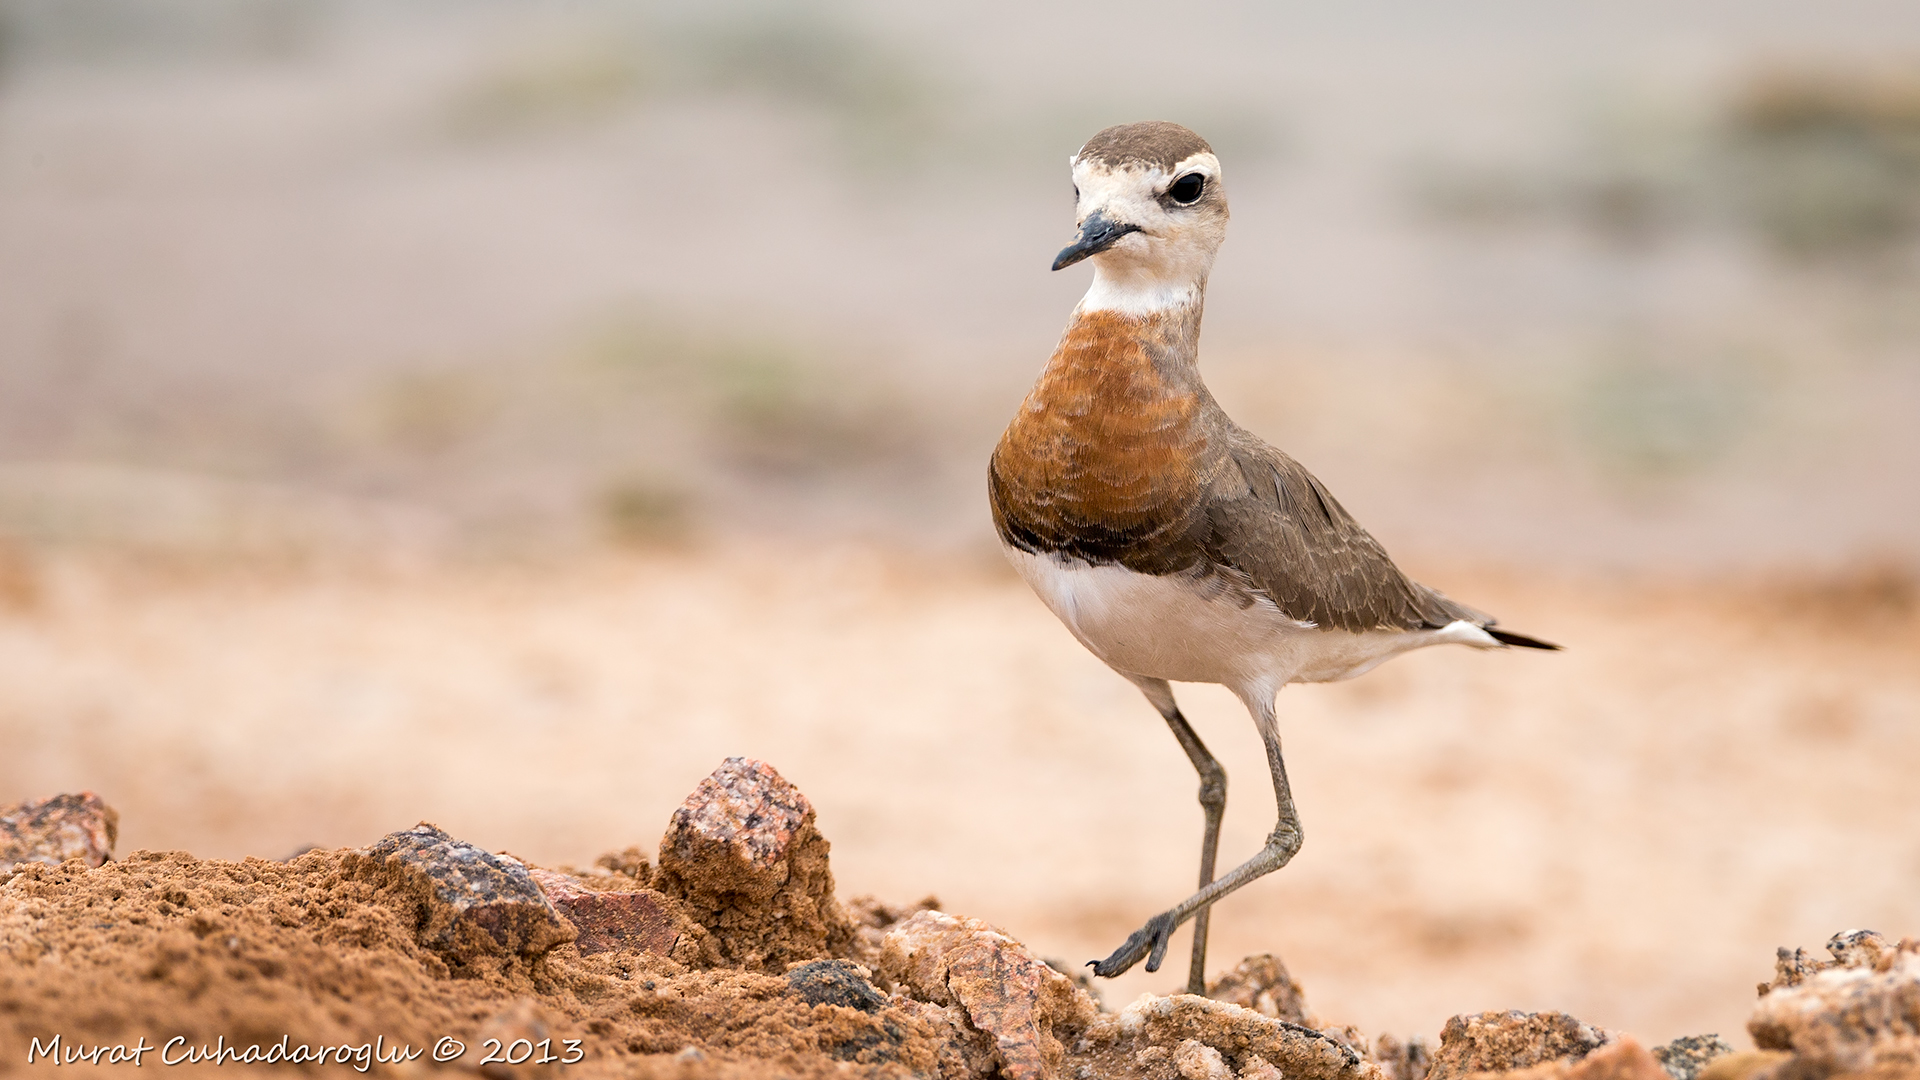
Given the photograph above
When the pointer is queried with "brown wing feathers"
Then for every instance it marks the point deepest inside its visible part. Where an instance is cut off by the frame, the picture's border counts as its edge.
(1295, 541)
(1301, 547)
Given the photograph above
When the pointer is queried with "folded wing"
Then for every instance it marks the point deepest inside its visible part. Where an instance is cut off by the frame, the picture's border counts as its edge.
(1272, 521)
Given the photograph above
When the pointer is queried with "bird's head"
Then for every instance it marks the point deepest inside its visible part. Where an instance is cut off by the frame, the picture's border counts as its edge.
(1152, 213)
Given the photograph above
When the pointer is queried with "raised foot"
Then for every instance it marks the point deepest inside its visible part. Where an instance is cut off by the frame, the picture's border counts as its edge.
(1152, 936)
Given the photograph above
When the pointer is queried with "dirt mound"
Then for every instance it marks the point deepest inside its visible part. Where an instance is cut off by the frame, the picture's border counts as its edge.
(731, 959)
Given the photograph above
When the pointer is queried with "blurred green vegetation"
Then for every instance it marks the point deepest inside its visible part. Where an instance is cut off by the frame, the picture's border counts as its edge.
(1630, 177)
(1644, 416)
(96, 31)
(887, 103)
(762, 403)
(1829, 162)
(888, 100)
(639, 510)
(1821, 164)
(639, 426)
(432, 412)
(884, 103)
(573, 79)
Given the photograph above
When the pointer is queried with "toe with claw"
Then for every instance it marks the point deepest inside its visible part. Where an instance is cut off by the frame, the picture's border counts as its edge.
(1149, 941)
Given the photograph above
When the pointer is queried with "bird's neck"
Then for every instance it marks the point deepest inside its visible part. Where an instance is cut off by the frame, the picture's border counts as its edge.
(1132, 289)
(1161, 346)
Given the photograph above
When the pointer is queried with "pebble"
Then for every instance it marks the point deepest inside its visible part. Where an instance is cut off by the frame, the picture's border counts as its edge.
(736, 831)
(75, 826)
(475, 896)
(639, 921)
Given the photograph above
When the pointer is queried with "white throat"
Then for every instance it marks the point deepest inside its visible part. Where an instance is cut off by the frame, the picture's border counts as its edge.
(1139, 293)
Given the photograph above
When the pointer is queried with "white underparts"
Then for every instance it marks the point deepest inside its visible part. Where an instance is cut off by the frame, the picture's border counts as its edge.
(1192, 628)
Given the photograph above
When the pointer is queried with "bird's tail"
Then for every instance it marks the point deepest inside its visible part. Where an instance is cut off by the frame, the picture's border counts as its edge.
(1508, 637)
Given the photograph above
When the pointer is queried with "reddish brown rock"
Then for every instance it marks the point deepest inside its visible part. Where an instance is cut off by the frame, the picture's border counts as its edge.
(469, 902)
(744, 859)
(57, 829)
(738, 831)
(1858, 1012)
(638, 920)
(1507, 1041)
(1029, 1011)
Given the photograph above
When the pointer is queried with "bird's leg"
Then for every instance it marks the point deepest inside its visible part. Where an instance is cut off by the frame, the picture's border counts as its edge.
(1150, 941)
(1213, 803)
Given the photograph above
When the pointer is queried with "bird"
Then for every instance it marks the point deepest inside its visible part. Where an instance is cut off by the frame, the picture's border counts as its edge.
(1173, 543)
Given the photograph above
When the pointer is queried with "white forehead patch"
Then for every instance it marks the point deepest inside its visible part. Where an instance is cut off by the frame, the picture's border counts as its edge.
(1204, 163)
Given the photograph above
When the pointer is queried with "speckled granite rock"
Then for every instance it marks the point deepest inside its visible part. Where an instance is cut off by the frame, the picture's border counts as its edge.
(77, 826)
(469, 902)
(742, 855)
(1683, 1058)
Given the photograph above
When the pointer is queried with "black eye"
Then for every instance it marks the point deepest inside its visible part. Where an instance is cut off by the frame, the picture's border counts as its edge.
(1076, 194)
(1186, 190)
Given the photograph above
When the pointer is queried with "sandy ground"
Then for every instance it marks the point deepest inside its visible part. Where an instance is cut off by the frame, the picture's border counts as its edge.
(1624, 831)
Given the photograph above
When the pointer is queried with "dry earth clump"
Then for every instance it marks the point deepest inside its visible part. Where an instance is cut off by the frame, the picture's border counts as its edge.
(731, 958)
(1858, 1013)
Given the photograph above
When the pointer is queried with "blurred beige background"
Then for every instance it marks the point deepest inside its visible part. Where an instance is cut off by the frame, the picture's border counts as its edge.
(497, 413)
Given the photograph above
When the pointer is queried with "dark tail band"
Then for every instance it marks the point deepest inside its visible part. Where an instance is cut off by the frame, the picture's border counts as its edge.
(1507, 637)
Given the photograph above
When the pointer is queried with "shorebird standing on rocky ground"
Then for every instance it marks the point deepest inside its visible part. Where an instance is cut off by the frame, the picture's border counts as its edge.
(1175, 545)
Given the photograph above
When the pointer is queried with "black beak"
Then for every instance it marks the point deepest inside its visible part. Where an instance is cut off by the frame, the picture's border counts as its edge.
(1097, 234)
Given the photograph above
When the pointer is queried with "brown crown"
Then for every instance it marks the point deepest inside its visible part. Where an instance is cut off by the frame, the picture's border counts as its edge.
(1149, 142)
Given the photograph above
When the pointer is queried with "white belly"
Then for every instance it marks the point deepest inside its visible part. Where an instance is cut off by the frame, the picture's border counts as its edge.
(1187, 628)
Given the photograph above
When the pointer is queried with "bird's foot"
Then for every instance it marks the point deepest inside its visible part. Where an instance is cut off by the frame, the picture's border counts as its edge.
(1152, 936)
